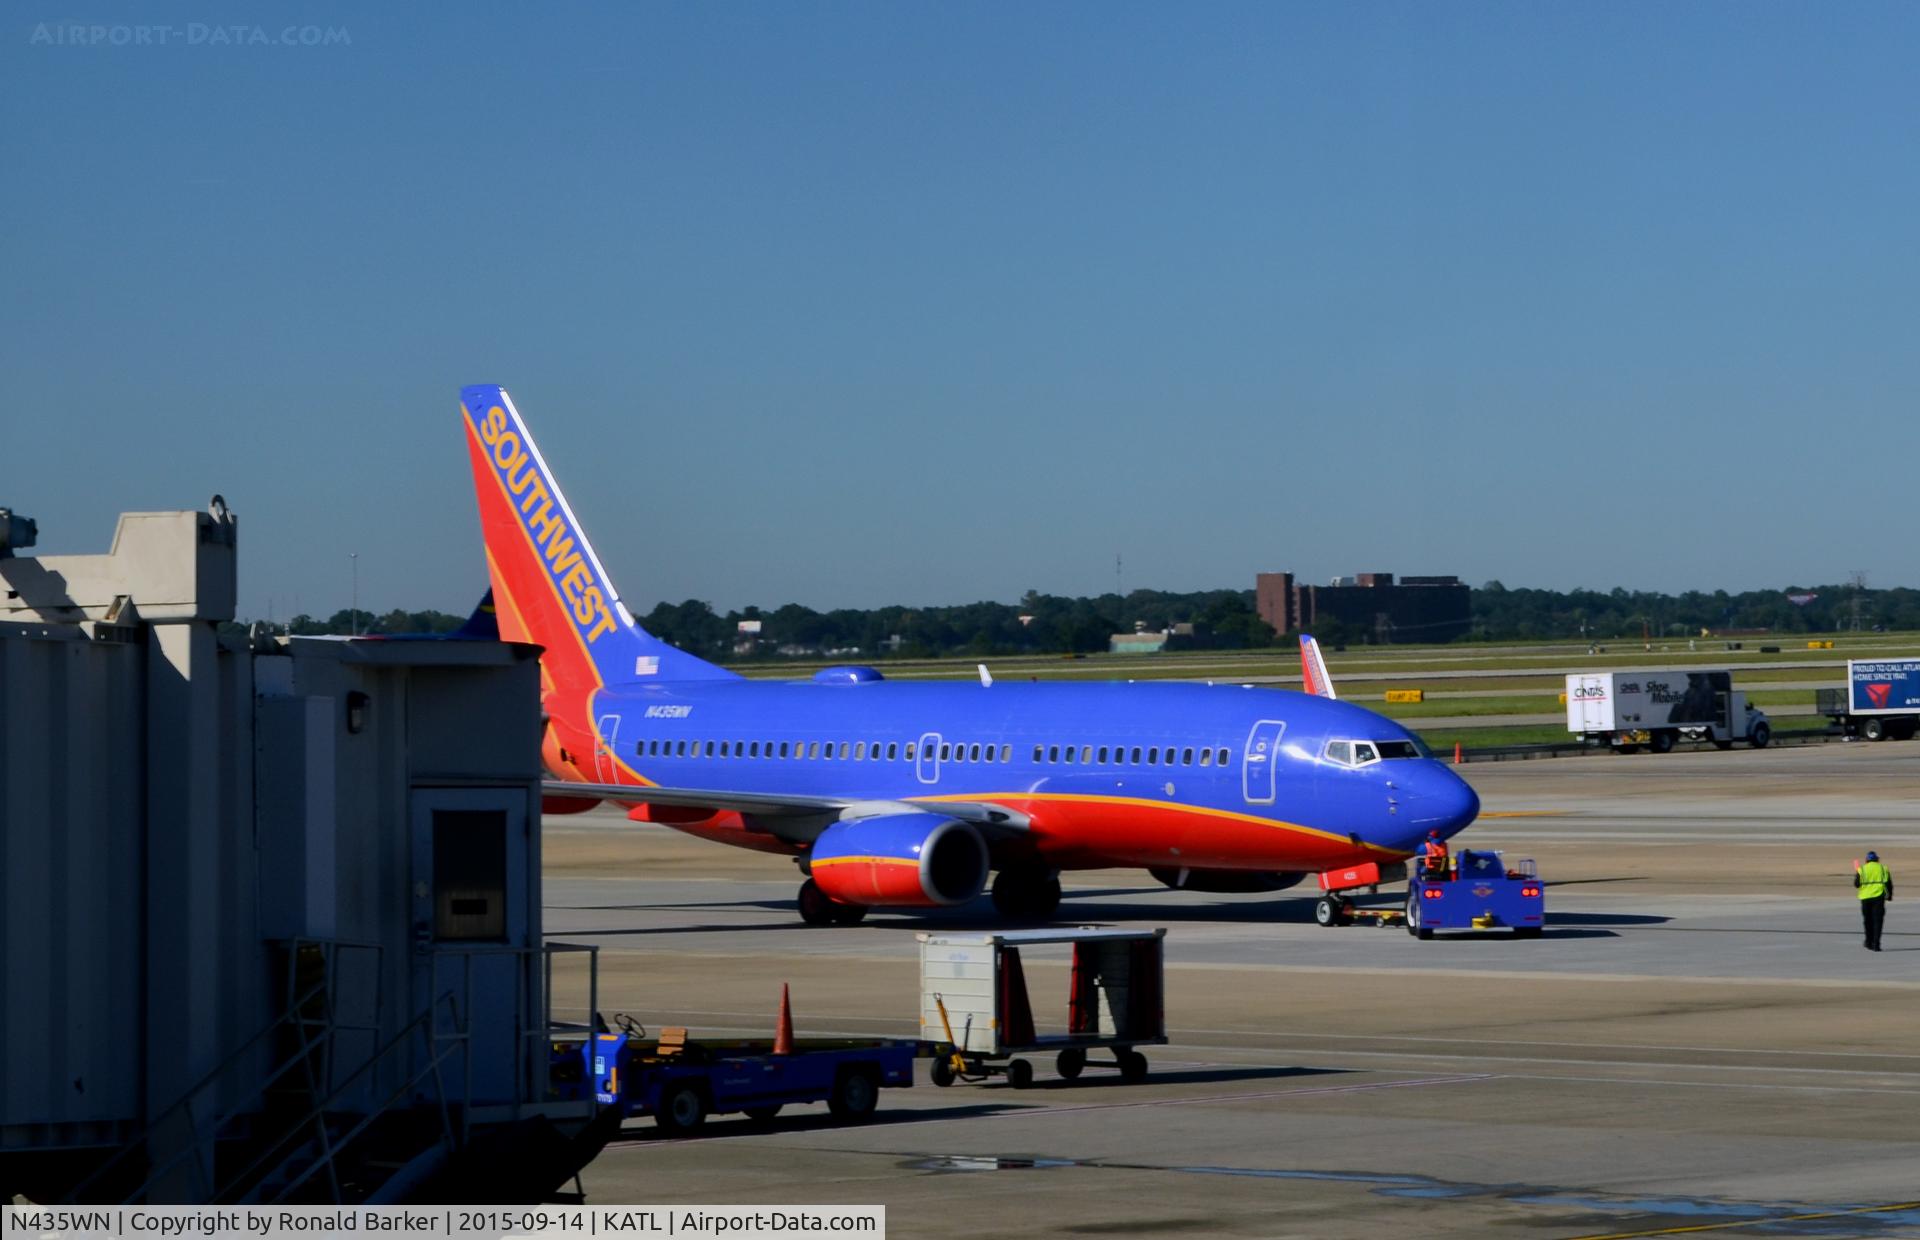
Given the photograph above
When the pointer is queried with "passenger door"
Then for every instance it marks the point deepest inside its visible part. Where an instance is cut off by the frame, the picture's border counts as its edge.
(1258, 777)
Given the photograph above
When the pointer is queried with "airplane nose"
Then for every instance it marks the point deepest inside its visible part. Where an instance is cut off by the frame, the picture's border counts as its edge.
(1462, 802)
(1443, 802)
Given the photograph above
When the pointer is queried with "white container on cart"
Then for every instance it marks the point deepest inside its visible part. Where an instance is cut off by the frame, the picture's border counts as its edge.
(975, 985)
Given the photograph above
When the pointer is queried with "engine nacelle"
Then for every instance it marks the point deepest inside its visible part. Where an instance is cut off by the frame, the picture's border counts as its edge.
(1235, 882)
(914, 860)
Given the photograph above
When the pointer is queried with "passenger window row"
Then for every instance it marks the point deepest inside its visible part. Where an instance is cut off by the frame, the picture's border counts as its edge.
(950, 751)
(1121, 755)
(826, 751)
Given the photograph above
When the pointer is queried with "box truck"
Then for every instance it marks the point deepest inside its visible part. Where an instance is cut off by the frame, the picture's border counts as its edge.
(1658, 709)
(1880, 700)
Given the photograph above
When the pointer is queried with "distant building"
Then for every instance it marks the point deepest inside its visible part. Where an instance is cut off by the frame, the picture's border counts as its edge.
(1417, 609)
(1142, 640)
(1137, 643)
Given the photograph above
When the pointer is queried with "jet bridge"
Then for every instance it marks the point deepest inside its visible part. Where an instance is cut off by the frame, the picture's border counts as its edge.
(272, 924)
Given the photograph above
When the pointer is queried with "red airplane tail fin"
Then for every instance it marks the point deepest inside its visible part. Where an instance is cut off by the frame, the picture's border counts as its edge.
(549, 587)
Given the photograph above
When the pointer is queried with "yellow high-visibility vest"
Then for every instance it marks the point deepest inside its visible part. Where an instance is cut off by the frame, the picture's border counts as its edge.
(1874, 878)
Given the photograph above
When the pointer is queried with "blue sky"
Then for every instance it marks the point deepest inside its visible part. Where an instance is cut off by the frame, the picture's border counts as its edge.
(851, 304)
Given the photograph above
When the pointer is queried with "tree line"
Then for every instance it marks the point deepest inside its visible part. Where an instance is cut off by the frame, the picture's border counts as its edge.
(1221, 620)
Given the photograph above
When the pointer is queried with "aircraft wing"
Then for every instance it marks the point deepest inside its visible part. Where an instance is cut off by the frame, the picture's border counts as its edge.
(793, 816)
(1314, 667)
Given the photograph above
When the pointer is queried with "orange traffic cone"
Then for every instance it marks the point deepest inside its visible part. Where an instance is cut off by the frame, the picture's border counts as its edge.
(1456, 753)
(783, 1032)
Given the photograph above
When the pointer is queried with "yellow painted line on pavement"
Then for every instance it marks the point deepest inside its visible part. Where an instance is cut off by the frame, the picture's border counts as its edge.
(1751, 1222)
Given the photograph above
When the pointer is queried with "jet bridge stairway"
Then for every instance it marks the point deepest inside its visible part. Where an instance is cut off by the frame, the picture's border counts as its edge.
(318, 1109)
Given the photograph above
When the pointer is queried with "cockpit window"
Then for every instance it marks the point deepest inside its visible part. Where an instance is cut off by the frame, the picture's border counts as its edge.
(1365, 753)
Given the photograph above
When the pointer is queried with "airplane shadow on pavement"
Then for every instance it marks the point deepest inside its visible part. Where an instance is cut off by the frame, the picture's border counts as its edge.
(1003, 1100)
(793, 923)
(1075, 910)
(1101, 1079)
(812, 1121)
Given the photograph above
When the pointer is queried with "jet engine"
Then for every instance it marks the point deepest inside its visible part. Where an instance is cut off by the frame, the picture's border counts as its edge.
(915, 860)
(1227, 881)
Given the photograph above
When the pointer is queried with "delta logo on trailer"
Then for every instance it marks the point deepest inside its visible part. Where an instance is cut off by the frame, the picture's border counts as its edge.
(1878, 693)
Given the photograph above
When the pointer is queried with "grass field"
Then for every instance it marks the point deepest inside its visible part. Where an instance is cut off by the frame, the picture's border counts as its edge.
(1383, 665)
(1495, 682)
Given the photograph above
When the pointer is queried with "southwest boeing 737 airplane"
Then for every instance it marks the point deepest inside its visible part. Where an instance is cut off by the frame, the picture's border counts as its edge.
(906, 795)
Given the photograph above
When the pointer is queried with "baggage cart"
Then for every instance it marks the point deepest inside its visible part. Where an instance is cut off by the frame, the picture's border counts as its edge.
(974, 998)
(680, 1081)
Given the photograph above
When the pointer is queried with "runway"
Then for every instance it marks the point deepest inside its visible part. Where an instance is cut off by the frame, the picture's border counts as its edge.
(1698, 1042)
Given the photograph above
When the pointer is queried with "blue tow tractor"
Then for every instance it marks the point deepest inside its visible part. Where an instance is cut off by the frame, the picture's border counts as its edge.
(680, 1081)
(1479, 891)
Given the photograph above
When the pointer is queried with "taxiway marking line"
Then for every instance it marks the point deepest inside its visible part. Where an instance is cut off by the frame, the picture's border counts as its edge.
(1552, 1060)
(1457, 1079)
(1884, 1091)
(1403, 1037)
(1753, 1222)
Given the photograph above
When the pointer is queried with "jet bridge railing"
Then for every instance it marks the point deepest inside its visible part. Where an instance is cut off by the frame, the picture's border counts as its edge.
(534, 1033)
(310, 1016)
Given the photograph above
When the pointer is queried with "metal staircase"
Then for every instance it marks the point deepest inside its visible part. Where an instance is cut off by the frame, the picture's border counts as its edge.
(287, 1133)
(318, 1109)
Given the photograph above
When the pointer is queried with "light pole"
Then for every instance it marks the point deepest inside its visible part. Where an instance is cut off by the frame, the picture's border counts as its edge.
(353, 613)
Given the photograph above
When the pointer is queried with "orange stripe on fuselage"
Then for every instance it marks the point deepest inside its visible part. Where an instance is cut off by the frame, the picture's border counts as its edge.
(1084, 830)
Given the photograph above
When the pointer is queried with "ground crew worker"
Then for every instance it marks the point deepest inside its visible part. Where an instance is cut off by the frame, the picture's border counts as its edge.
(1436, 856)
(1875, 882)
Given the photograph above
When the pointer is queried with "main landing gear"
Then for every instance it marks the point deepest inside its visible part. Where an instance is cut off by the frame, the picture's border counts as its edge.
(1332, 911)
(817, 908)
(1026, 894)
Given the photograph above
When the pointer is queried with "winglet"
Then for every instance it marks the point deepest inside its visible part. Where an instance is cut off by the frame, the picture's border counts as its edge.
(986, 677)
(1314, 667)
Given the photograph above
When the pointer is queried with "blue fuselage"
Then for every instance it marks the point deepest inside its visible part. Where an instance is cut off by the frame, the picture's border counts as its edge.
(1159, 773)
